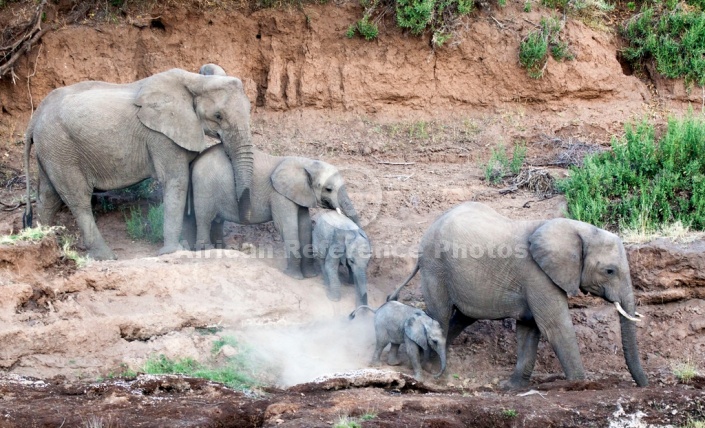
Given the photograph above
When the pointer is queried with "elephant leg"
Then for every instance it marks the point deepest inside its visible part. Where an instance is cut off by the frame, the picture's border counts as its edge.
(217, 235)
(552, 317)
(79, 202)
(330, 267)
(393, 357)
(308, 265)
(285, 216)
(438, 304)
(172, 170)
(528, 335)
(188, 232)
(49, 199)
(412, 350)
(379, 347)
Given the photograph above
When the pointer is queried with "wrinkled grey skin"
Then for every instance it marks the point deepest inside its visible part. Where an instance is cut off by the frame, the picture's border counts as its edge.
(337, 240)
(396, 324)
(103, 136)
(476, 264)
(283, 190)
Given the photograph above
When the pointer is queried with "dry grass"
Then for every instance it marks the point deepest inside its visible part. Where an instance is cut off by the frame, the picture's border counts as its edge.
(676, 232)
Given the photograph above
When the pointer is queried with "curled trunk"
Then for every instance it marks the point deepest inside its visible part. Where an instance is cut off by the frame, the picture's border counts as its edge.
(347, 207)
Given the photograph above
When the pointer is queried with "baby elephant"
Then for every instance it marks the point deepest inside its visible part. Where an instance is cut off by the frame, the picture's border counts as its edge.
(337, 240)
(397, 323)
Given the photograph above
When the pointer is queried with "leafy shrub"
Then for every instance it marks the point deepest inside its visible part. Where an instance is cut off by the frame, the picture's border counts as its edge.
(533, 50)
(150, 228)
(643, 184)
(417, 16)
(673, 37)
(500, 166)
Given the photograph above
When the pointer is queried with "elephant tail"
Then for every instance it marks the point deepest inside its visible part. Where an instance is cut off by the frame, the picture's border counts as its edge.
(27, 217)
(353, 313)
(395, 295)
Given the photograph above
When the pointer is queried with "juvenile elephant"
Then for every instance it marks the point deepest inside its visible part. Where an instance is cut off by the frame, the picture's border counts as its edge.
(476, 264)
(337, 240)
(396, 324)
(103, 136)
(283, 190)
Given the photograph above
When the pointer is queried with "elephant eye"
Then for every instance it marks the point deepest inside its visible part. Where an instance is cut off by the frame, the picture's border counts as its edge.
(329, 189)
(609, 271)
(218, 116)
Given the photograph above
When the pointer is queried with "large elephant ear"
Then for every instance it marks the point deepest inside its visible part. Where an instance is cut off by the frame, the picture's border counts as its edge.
(558, 249)
(166, 106)
(415, 330)
(293, 179)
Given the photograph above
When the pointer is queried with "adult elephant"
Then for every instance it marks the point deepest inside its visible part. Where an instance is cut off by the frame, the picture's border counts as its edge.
(283, 190)
(103, 136)
(476, 264)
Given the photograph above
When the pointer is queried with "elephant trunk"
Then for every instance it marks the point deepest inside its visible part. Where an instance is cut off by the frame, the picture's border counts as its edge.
(442, 355)
(238, 146)
(360, 279)
(346, 206)
(629, 343)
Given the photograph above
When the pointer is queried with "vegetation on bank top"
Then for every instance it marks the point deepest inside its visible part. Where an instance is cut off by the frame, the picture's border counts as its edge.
(645, 182)
(672, 34)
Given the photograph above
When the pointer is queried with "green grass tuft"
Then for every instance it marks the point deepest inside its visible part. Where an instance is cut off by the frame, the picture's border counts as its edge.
(534, 49)
(150, 228)
(685, 371)
(643, 184)
(347, 422)
(500, 166)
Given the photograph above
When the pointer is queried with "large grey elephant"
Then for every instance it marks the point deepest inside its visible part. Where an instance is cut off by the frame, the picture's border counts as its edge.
(397, 324)
(103, 136)
(337, 241)
(476, 264)
(283, 190)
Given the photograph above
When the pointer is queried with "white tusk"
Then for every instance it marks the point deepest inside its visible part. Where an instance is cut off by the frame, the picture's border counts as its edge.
(339, 212)
(638, 314)
(624, 313)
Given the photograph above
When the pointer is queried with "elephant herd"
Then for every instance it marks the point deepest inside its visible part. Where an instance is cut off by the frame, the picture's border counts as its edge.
(473, 263)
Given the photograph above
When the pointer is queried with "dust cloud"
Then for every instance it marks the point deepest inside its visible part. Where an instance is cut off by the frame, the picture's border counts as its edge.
(299, 353)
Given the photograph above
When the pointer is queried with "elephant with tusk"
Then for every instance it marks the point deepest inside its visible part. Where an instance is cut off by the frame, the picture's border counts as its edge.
(476, 264)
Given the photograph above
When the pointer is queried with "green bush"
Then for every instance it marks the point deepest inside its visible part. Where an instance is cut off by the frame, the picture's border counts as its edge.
(417, 16)
(500, 166)
(150, 228)
(534, 49)
(643, 184)
(672, 36)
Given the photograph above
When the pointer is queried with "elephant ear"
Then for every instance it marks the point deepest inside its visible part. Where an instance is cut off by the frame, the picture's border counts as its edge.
(415, 330)
(293, 179)
(558, 249)
(166, 106)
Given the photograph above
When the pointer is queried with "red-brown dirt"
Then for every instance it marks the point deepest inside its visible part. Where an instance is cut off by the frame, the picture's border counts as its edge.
(410, 128)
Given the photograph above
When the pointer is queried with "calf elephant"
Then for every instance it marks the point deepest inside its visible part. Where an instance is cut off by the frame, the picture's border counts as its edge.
(337, 240)
(103, 136)
(476, 264)
(397, 324)
(283, 190)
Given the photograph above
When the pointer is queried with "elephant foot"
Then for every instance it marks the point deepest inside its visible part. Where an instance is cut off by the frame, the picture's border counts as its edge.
(513, 383)
(310, 270)
(102, 254)
(294, 273)
(393, 361)
(168, 249)
(333, 294)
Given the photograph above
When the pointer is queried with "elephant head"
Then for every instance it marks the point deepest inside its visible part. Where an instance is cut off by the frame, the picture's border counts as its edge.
(578, 256)
(187, 106)
(311, 183)
(211, 70)
(427, 333)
